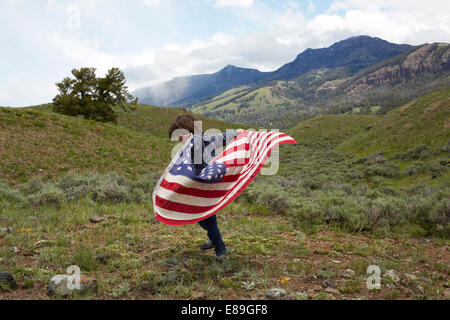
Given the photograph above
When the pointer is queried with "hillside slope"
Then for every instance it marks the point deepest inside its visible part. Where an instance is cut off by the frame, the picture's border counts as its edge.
(331, 129)
(37, 143)
(425, 120)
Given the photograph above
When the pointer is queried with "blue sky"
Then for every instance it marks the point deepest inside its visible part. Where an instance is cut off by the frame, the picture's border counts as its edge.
(155, 40)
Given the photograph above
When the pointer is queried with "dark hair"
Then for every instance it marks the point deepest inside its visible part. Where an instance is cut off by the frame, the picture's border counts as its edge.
(185, 121)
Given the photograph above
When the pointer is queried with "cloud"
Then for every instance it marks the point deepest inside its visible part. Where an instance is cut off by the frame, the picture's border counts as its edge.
(16, 92)
(283, 32)
(234, 3)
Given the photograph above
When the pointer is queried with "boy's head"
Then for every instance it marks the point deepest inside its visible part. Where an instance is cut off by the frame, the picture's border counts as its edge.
(185, 121)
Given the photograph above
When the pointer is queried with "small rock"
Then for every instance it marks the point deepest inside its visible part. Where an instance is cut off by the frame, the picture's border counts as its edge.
(447, 293)
(4, 231)
(302, 295)
(198, 296)
(328, 284)
(275, 293)
(317, 288)
(311, 278)
(391, 274)
(410, 277)
(8, 281)
(331, 290)
(349, 273)
(59, 285)
(420, 289)
(248, 285)
(336, 261)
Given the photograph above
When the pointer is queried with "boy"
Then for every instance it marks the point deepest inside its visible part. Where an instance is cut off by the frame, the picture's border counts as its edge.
(201, 142)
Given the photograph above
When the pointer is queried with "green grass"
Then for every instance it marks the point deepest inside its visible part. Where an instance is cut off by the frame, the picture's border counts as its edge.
(425, 120)
(38, 143)
(246, 105)
(331, 129)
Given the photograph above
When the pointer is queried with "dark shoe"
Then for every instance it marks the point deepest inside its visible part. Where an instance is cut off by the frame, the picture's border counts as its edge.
(207, 245)
(222, 256)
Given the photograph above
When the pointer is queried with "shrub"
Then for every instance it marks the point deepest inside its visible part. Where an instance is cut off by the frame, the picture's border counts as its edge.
(416, 168)
(446, 148)
(76, 186)
(388, 170)
(437, 170)
(314, 183)
(146, 183)
(387, 211)
(110, 191)
(433, 213)
(49, 195)
(31, 187)
(268, 195)
(420, 151)
(10, 194)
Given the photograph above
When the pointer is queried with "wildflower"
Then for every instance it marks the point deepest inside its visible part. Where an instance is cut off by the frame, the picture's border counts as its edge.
(285, 280)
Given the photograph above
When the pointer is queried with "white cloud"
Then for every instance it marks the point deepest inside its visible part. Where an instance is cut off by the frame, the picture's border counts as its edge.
(20, 92)
(234, 3)
(288, 32)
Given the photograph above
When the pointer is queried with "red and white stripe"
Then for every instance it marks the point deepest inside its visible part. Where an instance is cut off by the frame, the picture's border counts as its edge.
(179, 200)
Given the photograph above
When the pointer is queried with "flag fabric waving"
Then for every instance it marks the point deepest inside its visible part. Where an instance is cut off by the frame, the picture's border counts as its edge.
(183, 196)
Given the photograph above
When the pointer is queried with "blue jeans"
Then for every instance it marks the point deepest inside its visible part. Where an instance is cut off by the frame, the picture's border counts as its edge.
(210, 225)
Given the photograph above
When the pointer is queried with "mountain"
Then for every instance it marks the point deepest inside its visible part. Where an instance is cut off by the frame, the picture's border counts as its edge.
(187, 90)
(352, 55)
(377, 88)
(355, 53)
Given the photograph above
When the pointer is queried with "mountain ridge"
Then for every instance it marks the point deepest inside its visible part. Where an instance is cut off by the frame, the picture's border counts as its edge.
(354, 53)
(380, 87)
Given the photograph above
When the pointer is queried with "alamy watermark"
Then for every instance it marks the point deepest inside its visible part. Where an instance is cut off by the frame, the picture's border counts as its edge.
(272, 163)
(373, 277)
(72, 278)
(73, 21)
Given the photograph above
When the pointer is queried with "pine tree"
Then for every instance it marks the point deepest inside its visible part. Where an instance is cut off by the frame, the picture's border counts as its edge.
(91, 97)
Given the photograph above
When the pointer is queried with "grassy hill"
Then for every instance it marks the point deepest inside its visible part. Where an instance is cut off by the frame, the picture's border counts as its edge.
(38, 143)
(423, 121)
(331, 129)
(251, 105)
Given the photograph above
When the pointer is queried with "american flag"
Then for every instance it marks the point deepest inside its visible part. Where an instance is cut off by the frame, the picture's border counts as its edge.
(183, 196)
